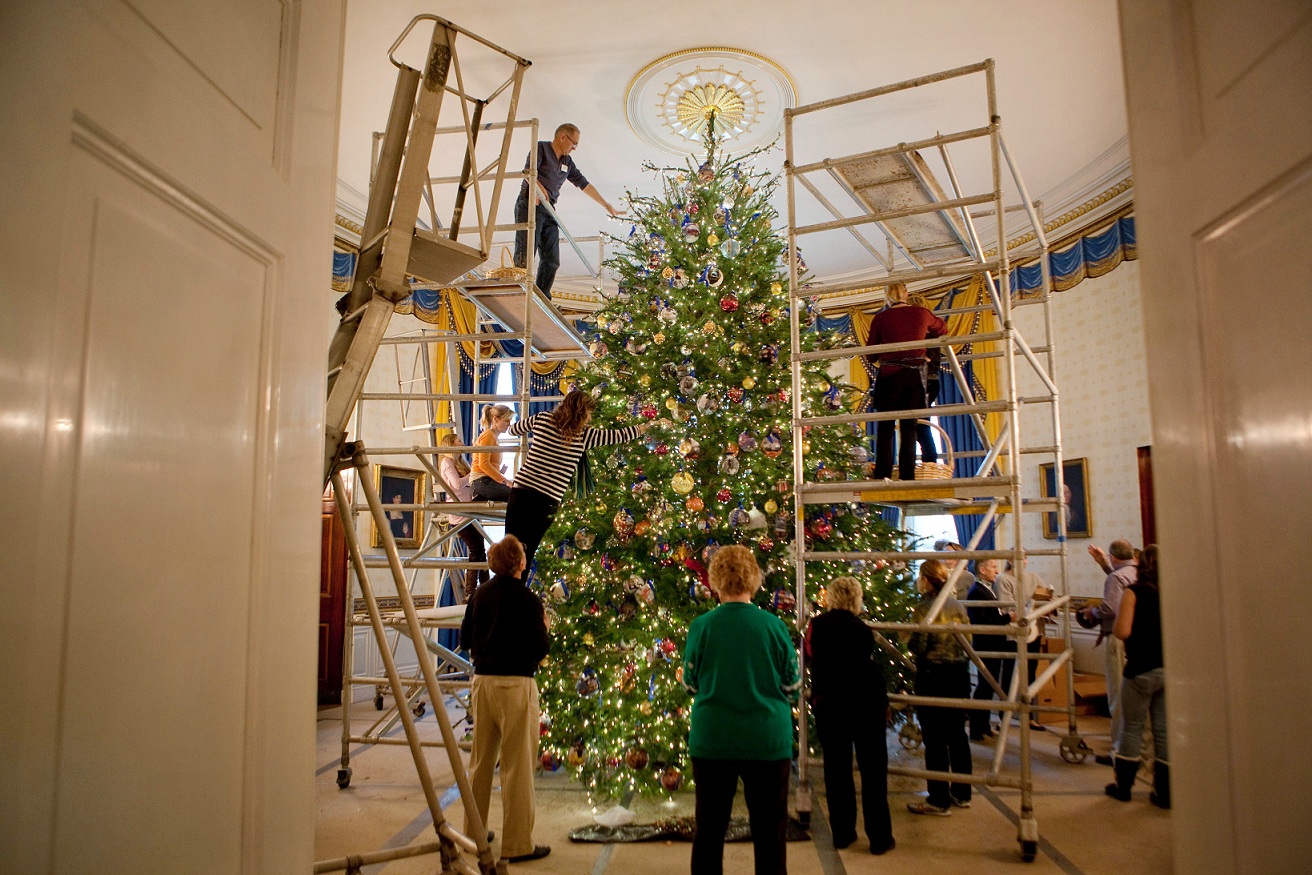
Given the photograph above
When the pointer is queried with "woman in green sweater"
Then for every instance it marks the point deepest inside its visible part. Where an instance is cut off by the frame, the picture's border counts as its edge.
(741, 667)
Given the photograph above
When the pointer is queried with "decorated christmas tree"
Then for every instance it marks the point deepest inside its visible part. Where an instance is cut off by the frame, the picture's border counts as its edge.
(697, 333)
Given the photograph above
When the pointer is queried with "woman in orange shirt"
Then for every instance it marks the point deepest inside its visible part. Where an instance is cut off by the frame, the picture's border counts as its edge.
(486, 480)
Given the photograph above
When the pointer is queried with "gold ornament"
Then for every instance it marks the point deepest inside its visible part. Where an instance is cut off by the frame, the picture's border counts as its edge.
(588, 640)
(668, 273)
(771, 506)
(806, 447)
(671, 403)
(682, 483)
(659, 337)
(738, 347)
(711, 239)
(776, 288)
(644, 381)
(749, 382)
(708, 328)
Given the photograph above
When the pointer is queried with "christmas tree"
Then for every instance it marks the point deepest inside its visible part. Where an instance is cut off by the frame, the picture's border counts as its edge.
(698, 332)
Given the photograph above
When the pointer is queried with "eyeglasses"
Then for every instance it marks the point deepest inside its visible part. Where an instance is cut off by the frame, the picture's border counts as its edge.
(573, 141)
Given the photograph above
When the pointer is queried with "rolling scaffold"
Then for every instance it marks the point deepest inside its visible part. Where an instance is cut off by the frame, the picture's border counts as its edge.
(931, 236)
(399, 253)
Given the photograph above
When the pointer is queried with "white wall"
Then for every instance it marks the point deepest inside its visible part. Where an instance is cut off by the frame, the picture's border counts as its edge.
(1101, 375)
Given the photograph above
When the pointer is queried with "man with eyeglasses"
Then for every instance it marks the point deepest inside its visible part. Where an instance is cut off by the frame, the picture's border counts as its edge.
(554, 167)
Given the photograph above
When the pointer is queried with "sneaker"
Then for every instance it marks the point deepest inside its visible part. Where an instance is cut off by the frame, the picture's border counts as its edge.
(1103, 759)
(924, 806)
(960, 803)
(538, 852)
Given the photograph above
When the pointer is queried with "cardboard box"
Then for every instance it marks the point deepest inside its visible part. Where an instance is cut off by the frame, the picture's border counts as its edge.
(1090, 689)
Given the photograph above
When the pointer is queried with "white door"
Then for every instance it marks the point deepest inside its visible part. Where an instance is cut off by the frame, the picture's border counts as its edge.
(167, 224)
(1221, 138)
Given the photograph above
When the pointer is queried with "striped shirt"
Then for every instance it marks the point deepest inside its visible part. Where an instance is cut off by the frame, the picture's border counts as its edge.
(552, 459)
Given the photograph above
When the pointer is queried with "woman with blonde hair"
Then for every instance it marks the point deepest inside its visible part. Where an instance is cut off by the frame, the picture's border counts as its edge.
(849, 697)
(456, 475)
(488, 481)
(941, 671)
(560, 437)
(741, 668)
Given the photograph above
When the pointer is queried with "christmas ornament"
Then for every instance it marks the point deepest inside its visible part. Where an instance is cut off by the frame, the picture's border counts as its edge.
(645, 380)
(671, 779)
(682, 483)
(709, 328)
(642, 528)
(636, 758)
(765, 545)
(689, 448)
(659, 337)
(728, 303)
(550, 761)
(691, 231)
(667, 273)
(707, 404)
(688, 385)
(583, 539)
(587, 682)
(576, 756)
(784, 601)
(598, 347)
(769, 353)
(771, 505)
(746, 441)
(730, 248)
(772, 445)
(680, 280)
(668, 315)
(695, 504)
(588, 640)
(661, 449)
(776, 288)
(822, 529)
(623, 525)
(649, 411)
(712, 239)
(724, 495)
(736, 395)
(729, 465)
(713, 276)
(671, 403)
(738, 518)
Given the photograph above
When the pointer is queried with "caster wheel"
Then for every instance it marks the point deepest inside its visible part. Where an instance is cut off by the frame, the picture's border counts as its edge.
(909, 736)
(1028, 851)
(343, 778)
(420, 708)
(804, 818)
(1074, 750)
(378, 702)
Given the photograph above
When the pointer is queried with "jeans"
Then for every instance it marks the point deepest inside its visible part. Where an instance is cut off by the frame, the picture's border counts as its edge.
(1141, 696)
(943, 730)
(487, 489)
(765, 789)
(842, 727)
(897, 388)
(529, 514)
(1113, 667)
(546, 242)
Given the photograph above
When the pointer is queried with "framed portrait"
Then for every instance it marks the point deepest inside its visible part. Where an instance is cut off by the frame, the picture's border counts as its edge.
(1075, 503)
(400, 486)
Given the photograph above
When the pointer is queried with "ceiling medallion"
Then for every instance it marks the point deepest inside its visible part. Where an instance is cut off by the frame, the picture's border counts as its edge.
(673, 101)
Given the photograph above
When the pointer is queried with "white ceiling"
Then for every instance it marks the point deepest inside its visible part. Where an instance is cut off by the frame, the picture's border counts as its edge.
(1059, 87)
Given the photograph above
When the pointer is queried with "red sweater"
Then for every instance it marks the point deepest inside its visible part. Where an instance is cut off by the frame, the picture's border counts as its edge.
(902, 323)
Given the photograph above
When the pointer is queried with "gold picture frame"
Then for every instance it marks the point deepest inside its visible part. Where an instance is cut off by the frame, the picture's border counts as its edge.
(1075, 476)
(401, 486)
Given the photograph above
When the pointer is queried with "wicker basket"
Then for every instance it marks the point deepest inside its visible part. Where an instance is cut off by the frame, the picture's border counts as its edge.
(506, 271)
(935, 470)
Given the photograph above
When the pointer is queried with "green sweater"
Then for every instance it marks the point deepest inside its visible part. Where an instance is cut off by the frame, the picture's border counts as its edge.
(741, 668)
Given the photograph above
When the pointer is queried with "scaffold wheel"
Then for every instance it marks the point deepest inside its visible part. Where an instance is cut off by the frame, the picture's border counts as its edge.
(1074, 750)
(343, 778)
(1028, 851)
(419, 708)
(378, 702)
(909, 736)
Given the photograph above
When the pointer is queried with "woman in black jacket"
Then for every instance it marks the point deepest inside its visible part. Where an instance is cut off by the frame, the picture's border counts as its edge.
(850, 702)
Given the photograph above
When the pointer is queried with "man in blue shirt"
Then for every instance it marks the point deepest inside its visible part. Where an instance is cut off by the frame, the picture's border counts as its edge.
(554, 167)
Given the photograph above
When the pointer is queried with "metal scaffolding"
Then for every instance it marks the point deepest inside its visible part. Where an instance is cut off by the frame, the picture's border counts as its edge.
(400, 252)
(930, 235)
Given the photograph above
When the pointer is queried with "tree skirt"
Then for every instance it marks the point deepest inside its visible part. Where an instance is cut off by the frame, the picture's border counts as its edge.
(681, 829)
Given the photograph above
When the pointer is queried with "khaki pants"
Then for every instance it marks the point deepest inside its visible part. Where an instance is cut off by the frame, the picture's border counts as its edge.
(1113, 668)
(506, 718)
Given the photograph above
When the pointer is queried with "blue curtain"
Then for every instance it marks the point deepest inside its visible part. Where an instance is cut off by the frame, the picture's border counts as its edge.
(964, 440)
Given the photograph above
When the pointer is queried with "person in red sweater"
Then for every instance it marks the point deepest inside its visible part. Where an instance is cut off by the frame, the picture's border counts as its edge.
(900, 378)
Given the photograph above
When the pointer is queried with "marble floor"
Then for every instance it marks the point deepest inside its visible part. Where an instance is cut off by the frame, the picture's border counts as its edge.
(1081, 829)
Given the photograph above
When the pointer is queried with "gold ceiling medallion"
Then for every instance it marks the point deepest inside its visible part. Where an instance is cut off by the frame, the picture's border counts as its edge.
(672, 102)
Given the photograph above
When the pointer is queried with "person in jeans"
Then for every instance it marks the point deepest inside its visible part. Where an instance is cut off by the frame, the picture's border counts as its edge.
(487, 480)
(560, 437)
(505, 629)
(849, 697)
(740, 666)
(941, 671)
(1143, 690)
(456, 474)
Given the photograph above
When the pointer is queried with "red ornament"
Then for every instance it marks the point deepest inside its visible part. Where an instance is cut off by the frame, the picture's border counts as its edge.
(661, 449)
(649, 411)
(636, 758)
(728, 303)
(822, 529)
(668, 647)
(671, 779)
(724, 494)
(767, 317)
(550, 761)
(765, 544)
(736, 395)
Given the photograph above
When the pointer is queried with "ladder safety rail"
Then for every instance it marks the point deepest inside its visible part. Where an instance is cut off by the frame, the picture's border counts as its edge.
(947, 249)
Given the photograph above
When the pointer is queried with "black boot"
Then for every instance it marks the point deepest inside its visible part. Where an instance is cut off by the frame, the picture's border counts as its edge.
(1161, 795)
(1125, 772)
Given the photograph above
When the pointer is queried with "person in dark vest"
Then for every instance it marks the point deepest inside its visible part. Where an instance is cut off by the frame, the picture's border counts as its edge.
(849, 697)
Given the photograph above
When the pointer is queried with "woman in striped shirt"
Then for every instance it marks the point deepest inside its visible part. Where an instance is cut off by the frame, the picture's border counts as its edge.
(560, 437)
